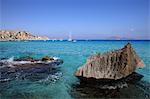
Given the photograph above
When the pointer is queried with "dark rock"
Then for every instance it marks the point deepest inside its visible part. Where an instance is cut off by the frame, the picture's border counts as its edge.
(27, 58)
(133, 91)
(29, 71)
(111, 83)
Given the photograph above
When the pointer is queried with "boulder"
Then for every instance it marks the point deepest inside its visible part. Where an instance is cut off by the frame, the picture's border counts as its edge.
(47, 58)
(113, 65)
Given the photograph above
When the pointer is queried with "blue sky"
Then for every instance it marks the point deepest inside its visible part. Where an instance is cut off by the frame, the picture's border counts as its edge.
(85, 19)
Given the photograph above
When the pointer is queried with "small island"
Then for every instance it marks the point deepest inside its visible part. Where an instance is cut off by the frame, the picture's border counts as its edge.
(11, 35)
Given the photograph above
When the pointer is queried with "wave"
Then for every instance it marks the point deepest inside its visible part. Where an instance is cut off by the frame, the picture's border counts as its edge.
(51, 78)
(11, 59)
(56, 58)
(7, 62)
(4, 80)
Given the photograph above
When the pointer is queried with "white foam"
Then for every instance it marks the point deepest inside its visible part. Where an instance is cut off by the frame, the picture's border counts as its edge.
(51, 78)
(56, 58)
(7, 62)
(10, 59)
(4, 80)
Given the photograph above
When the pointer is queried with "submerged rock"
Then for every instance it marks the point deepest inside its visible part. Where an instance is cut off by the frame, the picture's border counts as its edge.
(111, 65)
(138, 90)
(27, 68)
(29, 60)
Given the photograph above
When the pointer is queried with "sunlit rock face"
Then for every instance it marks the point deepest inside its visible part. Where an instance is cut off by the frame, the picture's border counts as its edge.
(113, 65)
(9, 35)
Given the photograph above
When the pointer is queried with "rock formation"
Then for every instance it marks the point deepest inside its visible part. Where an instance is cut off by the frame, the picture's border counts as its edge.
(112, 65)
(28, 68)
(29, 60)
(47, 58)
(7, 35)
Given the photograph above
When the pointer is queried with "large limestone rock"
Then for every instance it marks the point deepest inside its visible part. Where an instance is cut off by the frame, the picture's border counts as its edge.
(114, 65)
(9, 35)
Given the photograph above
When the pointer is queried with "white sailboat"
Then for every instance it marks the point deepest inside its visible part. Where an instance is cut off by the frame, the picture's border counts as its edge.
(70, 38)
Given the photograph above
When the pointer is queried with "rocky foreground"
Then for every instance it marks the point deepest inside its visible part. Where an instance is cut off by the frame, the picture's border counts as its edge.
(8, 35)
(27, 68)
(114, 65)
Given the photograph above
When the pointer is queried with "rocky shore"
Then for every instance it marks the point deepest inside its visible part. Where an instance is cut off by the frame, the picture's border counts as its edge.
(10, 35)
(27, 68)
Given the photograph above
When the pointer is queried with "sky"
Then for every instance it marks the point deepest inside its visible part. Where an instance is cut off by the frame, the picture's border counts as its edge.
(84, 19)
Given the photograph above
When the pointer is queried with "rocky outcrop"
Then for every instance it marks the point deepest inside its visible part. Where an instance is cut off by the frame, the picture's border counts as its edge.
(47, 58)
(8, 35)
(28, 68)
(112, 65)
(29, 60)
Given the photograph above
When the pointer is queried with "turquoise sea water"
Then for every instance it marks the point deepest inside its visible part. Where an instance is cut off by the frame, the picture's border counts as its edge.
(74, 55)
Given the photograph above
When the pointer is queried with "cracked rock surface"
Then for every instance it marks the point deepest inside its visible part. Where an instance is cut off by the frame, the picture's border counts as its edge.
(111, 65)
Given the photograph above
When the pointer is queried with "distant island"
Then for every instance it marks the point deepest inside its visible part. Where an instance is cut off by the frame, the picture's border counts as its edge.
(123, 38)
(119, 38)
(10, 35)
(14, 35)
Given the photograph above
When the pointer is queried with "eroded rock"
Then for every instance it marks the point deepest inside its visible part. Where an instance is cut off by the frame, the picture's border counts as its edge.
(113, 65)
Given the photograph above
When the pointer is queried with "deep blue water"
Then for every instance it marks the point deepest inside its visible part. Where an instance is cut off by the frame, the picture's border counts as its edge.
(74, 55)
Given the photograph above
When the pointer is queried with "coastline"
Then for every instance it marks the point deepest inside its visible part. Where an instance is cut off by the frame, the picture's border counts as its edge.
(67, 40)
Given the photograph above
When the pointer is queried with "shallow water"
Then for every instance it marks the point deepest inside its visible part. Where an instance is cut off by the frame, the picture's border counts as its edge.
(74, 54)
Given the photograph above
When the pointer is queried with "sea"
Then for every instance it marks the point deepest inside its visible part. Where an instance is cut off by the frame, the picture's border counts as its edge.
(63, 84)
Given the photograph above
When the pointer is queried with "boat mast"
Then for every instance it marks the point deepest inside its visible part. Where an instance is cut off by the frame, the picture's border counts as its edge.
(70, 37)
